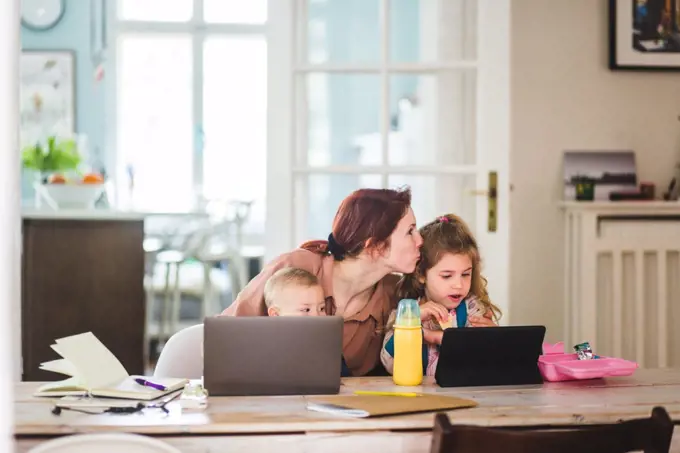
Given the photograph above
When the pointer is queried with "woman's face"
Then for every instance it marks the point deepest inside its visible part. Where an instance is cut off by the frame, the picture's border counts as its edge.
(404, 250)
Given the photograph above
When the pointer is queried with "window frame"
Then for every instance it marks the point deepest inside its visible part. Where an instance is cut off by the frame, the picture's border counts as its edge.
(200, 31)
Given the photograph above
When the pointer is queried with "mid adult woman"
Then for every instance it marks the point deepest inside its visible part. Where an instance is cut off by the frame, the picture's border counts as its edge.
(373, 237)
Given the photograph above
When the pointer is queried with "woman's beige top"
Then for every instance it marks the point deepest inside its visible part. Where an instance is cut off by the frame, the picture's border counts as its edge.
(363, 332)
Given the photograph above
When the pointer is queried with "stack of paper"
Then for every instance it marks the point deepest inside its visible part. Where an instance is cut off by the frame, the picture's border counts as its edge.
(95, 370)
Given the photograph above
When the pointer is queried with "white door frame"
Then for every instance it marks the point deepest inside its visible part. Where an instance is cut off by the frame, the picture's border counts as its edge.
(286, 118)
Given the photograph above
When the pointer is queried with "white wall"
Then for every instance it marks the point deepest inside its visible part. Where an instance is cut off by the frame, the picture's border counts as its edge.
(10, 218)
(565, 97)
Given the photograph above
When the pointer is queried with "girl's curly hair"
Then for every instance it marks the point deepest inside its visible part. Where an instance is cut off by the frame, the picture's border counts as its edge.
(447, 234)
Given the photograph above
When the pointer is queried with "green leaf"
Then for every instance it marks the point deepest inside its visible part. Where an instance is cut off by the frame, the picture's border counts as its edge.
(58, 156)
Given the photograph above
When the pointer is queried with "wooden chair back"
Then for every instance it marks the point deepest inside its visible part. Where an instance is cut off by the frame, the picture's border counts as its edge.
(651, 435)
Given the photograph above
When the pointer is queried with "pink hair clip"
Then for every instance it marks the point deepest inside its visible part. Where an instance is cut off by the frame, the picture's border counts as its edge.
(443, 219)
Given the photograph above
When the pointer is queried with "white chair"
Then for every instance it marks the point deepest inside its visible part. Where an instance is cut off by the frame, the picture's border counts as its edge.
(182, 355)
(104, 443)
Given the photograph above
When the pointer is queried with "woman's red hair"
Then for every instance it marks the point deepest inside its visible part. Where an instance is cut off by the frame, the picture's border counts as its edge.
(365, 217)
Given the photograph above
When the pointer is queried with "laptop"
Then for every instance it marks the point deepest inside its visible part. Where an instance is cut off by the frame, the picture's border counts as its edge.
(262, 355)
(490, 356)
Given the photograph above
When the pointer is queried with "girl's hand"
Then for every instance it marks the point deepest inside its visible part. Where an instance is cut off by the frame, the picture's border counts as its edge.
(482, 321)
(435, 311)
(433, 336)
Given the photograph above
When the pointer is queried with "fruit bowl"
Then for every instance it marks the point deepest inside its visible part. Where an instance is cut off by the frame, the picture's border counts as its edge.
(73, 196)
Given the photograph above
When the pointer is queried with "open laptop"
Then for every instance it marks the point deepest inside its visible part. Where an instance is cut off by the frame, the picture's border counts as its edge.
(263, 355)
(490, 356)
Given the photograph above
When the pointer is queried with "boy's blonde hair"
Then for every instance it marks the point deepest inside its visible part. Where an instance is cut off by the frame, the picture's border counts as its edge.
(447, 234)
(284, 277)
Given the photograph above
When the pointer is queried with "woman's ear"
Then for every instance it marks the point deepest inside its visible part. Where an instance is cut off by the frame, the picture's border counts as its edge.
(273, 311)
(375, 250)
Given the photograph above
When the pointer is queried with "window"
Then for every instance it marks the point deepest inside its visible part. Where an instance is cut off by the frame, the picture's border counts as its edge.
(156, 10)
(191, 98)
(155, 132)
(235, 11)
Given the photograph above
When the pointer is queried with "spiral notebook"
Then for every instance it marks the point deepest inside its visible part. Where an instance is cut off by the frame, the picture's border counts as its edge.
(363, 406)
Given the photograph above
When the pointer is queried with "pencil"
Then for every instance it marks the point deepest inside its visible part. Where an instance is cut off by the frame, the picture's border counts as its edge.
(368, 392)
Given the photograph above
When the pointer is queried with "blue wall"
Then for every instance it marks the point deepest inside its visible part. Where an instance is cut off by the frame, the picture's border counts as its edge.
(73, 33)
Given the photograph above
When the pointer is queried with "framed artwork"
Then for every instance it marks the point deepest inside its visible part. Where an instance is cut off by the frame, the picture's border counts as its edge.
(47, 94)
(644, 35)
(609, 171)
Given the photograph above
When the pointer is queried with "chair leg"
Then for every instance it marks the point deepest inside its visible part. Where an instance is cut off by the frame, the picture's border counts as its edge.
(242, 271)
(165, 309)
(149, 306)
(234, 278)
(206, 304)
(442, 427)
(176, 302)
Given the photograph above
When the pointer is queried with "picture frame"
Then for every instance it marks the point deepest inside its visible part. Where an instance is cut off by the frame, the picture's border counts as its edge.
(47, 94)
(605, 171)
(644, 35)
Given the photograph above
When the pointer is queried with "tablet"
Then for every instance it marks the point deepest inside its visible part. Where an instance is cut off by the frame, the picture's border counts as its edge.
(490, 356)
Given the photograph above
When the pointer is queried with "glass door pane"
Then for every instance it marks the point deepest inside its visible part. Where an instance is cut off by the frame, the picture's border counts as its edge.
(235, 121)
(436, 195)
(433, 118)
(319, 195)
(433, 30)
(318, 198)
(155, 132)
(343, 31)
(343, 118)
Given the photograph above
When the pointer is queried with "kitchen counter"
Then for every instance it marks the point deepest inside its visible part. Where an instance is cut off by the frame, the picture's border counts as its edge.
(82, 271)
(101, 214)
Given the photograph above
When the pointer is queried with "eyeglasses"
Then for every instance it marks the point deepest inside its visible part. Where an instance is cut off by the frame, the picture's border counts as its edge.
(139, 407)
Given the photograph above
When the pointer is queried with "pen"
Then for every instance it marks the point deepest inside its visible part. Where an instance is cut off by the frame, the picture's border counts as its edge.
(368, 392)
(146, 383)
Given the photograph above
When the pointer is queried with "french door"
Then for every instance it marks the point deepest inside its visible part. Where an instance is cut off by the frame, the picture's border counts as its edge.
(387, 93)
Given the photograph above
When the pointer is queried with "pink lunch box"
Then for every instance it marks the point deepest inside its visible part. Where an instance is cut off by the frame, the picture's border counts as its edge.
(555, 365)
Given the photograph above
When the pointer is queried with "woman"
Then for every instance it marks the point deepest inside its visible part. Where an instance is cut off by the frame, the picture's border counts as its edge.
(374, 235)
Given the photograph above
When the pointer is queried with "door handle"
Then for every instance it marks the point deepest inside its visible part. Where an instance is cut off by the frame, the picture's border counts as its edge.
(492, 197)
(492, 207)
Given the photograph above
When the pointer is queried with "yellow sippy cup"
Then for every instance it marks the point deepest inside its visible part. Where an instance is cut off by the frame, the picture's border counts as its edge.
(408, 345)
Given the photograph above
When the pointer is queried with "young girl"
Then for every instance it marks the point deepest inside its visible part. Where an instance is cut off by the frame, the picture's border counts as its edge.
(448, 286)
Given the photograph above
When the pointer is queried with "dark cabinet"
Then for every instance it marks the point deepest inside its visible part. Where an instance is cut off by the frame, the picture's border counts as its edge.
(82, 275)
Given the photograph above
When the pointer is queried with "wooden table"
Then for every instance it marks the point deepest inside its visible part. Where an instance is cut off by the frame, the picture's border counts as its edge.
(283, 424)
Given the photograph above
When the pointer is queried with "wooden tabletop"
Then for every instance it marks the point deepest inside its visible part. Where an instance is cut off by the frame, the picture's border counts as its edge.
(568, 403)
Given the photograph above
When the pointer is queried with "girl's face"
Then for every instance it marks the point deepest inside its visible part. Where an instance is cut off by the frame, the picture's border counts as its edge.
(448, 282)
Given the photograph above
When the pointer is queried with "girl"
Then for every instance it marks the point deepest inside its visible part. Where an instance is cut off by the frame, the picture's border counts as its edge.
(449, 287)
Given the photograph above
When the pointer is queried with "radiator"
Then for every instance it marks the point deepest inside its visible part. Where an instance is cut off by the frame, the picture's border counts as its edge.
(622, 273)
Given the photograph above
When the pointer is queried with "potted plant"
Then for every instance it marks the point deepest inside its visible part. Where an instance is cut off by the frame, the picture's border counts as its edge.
(585, 187)
(56, 156)
(53, 162)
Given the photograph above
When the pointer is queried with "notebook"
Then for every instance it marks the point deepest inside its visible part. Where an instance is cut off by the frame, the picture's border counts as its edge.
(376, 406)
(95, 370)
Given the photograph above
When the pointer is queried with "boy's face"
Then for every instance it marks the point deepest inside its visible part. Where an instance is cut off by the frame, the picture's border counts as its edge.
(298, 301)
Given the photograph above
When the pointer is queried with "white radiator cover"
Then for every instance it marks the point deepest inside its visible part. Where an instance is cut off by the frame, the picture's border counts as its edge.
(622, 279)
